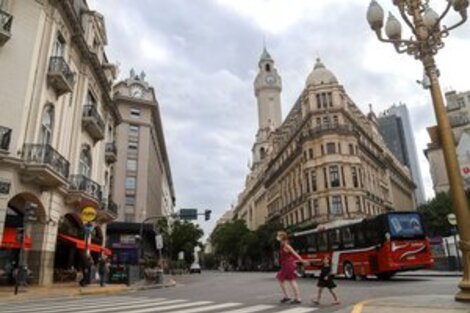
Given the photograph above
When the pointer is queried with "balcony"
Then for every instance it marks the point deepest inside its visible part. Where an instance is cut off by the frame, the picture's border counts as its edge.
(459, 120)
(453, 106)
(342, 129)
(110, 152)
(5, 27)
(83, 191)
(92, 122)
(5, 137)
(59, 75)
(108, 211)
(44, 166)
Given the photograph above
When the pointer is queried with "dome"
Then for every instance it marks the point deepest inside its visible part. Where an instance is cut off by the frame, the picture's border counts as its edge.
(321, 75)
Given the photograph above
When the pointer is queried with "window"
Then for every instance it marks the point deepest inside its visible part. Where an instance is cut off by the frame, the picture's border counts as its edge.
(130, 182)
(302, 214)
(135, 113)
(322, 150)
(329, 99)
(268, 68)
(84, 167)
(132, 146)
(90, 99)
(318, 101)
(334, 239)
(334, 176)
(310, 153)
(325, 178)
(310, 209)
(348, 238)
(351, 149)
(132, 165)
(318, 121)
(308, 182)
(313, 176)
(358, 204)
(330, 148)
(130, 200)
(326, 121)
(59, 46)
(354, 177)
(133, 131)
(312, 243)
(339, 148)
(359, 238)
(335, 120)
(315, 207)
(322, 241)
(336, 205)
(47, 126)
(129, 218)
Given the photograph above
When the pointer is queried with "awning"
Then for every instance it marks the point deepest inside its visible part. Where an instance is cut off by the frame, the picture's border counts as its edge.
(80, 244)
(9, 240)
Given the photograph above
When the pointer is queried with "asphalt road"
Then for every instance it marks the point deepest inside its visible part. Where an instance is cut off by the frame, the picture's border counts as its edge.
(217, 292)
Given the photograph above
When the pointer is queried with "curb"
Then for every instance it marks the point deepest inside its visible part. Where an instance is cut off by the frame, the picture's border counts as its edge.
(150, 287)
(84, 292)
(430, 275)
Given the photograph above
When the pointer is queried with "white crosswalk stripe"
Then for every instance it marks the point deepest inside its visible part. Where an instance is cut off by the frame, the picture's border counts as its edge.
(131, 304)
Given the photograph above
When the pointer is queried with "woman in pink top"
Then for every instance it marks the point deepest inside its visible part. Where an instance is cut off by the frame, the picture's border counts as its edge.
(288, 260)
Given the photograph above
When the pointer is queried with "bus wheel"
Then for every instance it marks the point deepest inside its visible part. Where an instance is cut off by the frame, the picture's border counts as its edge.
(385, 276)
(348, 270)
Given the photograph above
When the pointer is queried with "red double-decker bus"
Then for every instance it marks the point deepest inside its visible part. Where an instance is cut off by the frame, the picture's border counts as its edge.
(382, 245)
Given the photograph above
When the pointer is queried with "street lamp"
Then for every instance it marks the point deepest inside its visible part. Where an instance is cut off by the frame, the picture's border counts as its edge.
(427, 37)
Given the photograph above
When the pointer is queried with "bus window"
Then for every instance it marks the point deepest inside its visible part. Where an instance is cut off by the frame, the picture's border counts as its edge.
(312, 243)
(371, 232)
(359, 241)
(348, 238)
(299, 244)
(335, 239)
(322, 240)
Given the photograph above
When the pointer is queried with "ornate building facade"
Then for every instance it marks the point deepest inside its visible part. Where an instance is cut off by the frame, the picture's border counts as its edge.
(325, 161)
(56, 132)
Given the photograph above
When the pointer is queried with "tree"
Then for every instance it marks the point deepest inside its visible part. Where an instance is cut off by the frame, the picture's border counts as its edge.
(267, 241)
(184, 237)
(228, 241)
(435, 214)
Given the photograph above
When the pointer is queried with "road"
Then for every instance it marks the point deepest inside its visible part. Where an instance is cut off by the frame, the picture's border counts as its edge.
(234, 293)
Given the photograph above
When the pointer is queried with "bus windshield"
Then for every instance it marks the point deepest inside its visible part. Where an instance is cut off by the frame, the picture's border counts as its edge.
(406, 225)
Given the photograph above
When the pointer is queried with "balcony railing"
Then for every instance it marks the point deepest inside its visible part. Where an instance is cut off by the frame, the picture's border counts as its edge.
(112, 207)
(329, 128)
(454, 106)
(83, 184)
(111, 152)
(460, 120)
(44, 154)
(60, 76)
(6, 20)
(92, 122)
(5, 137)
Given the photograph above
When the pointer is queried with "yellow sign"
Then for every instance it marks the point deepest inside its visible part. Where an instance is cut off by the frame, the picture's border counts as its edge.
(88, 214)
(452, 219)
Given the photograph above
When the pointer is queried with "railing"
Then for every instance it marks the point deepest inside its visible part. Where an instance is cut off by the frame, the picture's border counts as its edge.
(112, 207)
(58, 64)
(461, 120)
(324, 128)
(46, 155)
(90, 111)
(5, 137)
(453, 106)
(84, 184)
(6, 20)
(111, 148)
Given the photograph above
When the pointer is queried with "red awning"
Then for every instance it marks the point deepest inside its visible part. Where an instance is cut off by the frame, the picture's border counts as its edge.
(80, 244)
(10, 241)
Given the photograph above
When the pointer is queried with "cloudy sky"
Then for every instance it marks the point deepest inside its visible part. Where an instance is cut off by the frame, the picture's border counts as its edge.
(201, 56)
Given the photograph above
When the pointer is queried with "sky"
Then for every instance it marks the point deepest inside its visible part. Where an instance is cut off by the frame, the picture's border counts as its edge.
(201, 56)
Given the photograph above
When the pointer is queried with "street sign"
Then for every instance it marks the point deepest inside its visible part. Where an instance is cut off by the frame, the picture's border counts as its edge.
(181, 255)
(159, 242)
(188, 214)
(88, 228)
(451, 218)
(88, 214)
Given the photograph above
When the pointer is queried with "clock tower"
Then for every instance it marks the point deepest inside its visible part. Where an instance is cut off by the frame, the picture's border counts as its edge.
(268, 86)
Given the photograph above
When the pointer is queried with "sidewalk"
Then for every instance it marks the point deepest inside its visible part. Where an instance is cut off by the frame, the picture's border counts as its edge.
(430, 273)
(411, 304)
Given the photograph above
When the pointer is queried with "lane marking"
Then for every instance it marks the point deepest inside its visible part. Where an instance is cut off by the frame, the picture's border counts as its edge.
(171, 307)
(299, 310)
(358, 307)
(252, 309)
(58, 306)
(209, 308)
(128, 306)
(48, 302)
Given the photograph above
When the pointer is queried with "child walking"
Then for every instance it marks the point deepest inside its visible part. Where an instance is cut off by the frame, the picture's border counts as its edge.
(287, 260)
(326, 281)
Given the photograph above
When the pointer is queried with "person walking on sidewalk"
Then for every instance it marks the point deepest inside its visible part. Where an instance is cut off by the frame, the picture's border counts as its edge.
(326, 281)
(288, 261)
(103, 270)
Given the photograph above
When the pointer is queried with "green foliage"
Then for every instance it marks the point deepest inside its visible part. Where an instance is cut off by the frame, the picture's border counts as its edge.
(184, 237)
(435, 213)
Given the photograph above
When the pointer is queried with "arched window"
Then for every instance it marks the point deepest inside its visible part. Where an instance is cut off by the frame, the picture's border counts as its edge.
(85, 162)
(268, 68)
(47, 125)
(262, 153)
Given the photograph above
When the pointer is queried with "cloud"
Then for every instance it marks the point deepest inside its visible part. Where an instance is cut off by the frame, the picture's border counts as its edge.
(202, 56)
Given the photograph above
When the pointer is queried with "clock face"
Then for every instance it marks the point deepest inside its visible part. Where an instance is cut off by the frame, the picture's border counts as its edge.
(270, 79)
(137, 91)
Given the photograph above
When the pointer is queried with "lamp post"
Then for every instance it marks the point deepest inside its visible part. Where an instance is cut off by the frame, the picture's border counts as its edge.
(427, 37)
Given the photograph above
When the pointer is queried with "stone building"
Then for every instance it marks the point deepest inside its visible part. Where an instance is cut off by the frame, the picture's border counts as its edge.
(143, 185)
(458, 111)
(56, 132)
(325, 161)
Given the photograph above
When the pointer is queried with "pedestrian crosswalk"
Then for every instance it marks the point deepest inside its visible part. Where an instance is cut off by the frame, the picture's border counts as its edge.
(131, 304)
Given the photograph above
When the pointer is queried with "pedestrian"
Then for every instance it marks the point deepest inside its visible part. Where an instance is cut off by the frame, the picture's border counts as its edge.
(86, 271)
(326, 281)
(288, 261)
(103, 270)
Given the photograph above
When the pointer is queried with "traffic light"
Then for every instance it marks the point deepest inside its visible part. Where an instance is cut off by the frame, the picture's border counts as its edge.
(207, 214)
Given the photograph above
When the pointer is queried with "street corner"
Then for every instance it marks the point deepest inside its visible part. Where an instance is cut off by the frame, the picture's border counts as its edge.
(409, 304)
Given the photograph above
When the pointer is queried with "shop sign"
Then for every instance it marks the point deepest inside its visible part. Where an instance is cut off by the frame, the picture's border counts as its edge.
(88, 214)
